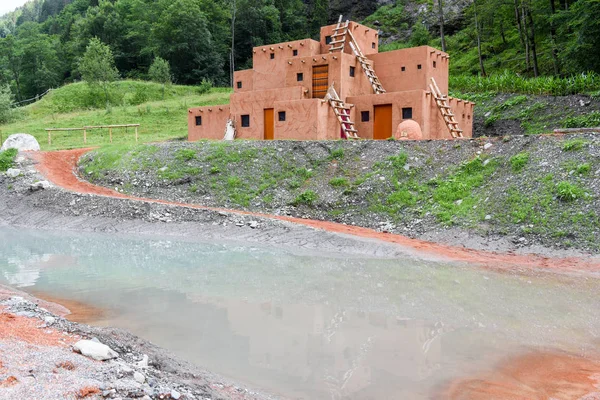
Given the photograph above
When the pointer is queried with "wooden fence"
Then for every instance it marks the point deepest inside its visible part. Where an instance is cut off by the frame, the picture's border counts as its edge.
(87, 128)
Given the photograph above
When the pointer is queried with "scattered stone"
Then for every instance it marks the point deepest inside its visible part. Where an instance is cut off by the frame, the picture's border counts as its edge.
(95, 350)
(144, 362)
(488, 217)
(49, 320)
(21, 142)
(487, 146)
(41, 185)
(175, 394)
(253, 224)
(13, 172)
(459, 202)
(139, 378)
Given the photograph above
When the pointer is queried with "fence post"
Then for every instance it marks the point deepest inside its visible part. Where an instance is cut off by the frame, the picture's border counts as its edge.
(110, 134)
(49, 138)
(136, 134)
(84, 136)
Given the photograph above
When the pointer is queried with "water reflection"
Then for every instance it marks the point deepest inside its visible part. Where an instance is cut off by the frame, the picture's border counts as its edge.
(307, 325)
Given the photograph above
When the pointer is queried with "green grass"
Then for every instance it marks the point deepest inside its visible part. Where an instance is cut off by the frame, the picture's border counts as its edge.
(339, 182)
(306, 198)
(591, 120)
(518, 161)
(159, 119)
(574, 145)
(7, 159)
(567, 191)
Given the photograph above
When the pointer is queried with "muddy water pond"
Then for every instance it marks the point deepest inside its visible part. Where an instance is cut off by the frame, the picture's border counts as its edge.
(308, 325)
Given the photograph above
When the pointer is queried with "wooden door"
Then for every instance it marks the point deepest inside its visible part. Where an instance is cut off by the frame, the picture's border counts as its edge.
(269, 124)
(320, 81)
(382, 124)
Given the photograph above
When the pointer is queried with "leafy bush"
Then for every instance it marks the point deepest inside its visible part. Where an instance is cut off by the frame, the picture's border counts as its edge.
(574, 145)
(591, 120)
(567, 191)
(6, 103)
(518, 161)
(308, 197)
(7, 158)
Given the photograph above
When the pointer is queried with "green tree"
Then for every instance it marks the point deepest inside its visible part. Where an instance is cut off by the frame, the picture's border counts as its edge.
(160, 72)
(97, 67)
(6, 103)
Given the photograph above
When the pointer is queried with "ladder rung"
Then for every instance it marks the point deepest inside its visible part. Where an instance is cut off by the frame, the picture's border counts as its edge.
(337, 41)
(336, 48)
(337, 34)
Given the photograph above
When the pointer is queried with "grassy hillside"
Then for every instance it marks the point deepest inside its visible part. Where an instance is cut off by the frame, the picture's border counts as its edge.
(76, 105)
(536, 189)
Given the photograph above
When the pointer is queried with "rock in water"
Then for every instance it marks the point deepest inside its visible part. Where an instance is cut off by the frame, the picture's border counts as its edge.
(21, 142)
(95, 350)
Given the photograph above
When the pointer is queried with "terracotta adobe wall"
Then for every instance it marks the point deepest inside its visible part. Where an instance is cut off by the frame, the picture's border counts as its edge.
(214, 119)
(463, 112)
(270, 62)
(367, 38)
(310, 119)
(245, 79)
(388, 67)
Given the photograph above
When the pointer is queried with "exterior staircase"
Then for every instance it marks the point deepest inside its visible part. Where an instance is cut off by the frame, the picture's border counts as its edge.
(442, 102)
(342, 113)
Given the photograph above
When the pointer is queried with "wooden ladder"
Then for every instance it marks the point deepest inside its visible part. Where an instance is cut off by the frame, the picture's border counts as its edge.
(366, 66)
(338, 39)
(442, 102)
(342, 113)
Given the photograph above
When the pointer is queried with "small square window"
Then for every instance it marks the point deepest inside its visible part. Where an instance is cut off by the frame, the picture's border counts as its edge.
(245, 121)
(327, 39)
(198, 120)
(364, 116)
(239, 84)
(272, 56)
(403, 69)
(295, 52)
(373, 45)
(352, 71)
(418, 66)
(434, 64)
(281, 116)
(407, 113)
(300, 77)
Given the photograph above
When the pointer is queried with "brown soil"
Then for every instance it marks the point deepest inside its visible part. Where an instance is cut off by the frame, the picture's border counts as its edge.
(79, 311)
(28, 330)
(59, 167)
(533, 376)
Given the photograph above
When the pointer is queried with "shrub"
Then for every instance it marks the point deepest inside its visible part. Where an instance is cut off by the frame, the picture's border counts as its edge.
(337, 154)
(567, 191)
(308, 197)
(574, 145)
(7, 158)
(584, 169)
(185, 155)
(518, 161)
(339, 182)
(6, 103)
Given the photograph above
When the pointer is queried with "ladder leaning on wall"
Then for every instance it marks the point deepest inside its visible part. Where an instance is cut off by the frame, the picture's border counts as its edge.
(338, 43)
(441, 100)
(341, 112)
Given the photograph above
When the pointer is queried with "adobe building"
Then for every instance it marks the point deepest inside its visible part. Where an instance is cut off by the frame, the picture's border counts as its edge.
(340, 87)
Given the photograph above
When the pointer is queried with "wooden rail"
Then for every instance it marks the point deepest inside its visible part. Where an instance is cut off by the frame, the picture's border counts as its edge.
(86, 128)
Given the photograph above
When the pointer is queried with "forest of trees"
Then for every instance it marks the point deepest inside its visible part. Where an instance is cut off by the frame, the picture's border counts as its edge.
(42, 43)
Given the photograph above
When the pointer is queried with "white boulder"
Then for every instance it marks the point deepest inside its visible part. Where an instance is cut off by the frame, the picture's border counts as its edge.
(95, 350)
(13, 172)
(21, 142)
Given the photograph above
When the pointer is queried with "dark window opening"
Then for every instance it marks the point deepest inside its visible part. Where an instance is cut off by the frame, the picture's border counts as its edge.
(239, 84)
(281, 116)
(407, 113)
(352, 71)
(272, 56)
(434, 64)
(198, 120)
(327, 39)
(364, 116)
(418, 66)
(403, 69)
(300, 77)
(295, 52)
(373, 45)
(245, 121)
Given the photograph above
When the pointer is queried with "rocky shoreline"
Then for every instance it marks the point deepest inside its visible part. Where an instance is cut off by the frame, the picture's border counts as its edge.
(38, 361)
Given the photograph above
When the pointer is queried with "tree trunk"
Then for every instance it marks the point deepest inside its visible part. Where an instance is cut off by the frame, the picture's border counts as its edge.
(519, 25)
(232, 56)
(481, 66)
(441, 9)
(526, 32)
(536, 72)
(553, 37)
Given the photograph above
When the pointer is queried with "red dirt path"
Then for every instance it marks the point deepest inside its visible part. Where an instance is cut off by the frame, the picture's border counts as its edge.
(59, 167)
